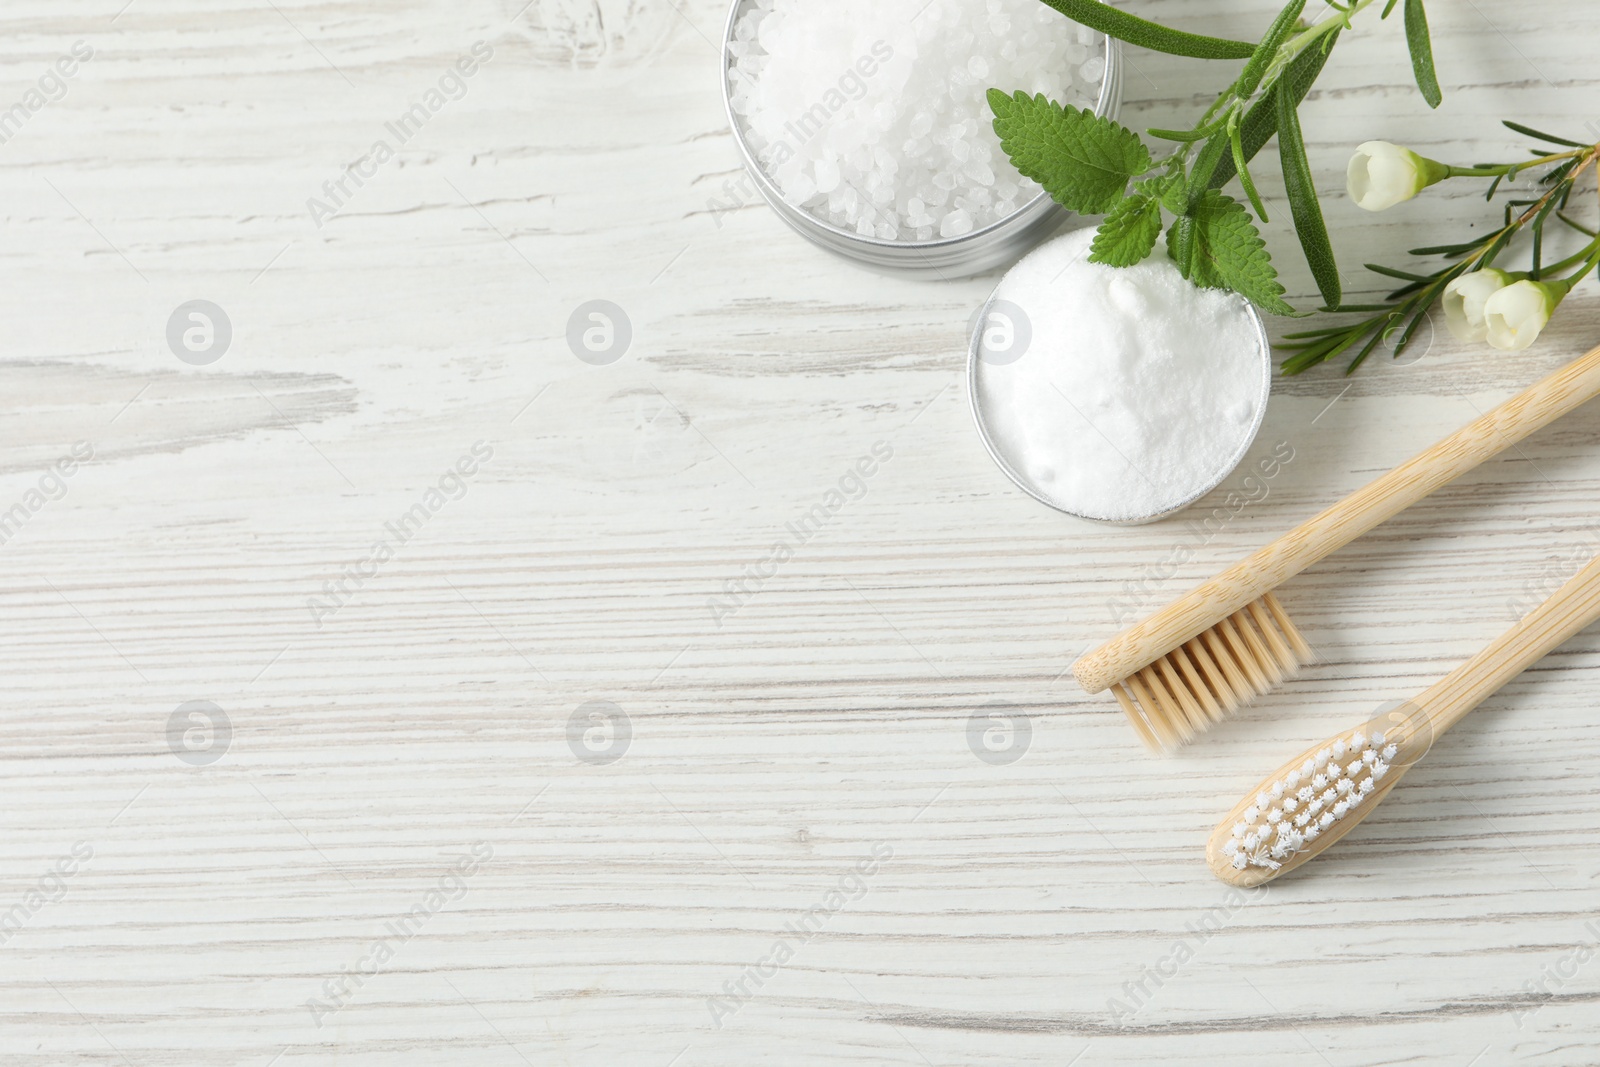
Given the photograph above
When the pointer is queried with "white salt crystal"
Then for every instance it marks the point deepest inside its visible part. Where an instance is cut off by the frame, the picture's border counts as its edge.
(956, 223)
(1135, 391)
(888, 99)
(827, 171)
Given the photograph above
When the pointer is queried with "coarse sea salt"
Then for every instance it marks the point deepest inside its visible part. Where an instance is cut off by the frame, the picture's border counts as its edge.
(1117, 393)
(873, 117)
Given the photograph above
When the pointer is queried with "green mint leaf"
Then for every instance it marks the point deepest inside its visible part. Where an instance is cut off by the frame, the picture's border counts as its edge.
(1422, 52)
(1125, 27)
(1083, 161)
(1168, 189)
(1223, 250)
(1128, 233)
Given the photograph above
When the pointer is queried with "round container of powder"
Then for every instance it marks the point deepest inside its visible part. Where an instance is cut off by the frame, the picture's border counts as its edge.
(865, 126)
(1120, 394)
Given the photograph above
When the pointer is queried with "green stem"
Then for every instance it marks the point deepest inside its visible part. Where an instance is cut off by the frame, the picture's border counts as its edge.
(1300, 41)
(1506, 168)
(1486, 252)
(1230, 101)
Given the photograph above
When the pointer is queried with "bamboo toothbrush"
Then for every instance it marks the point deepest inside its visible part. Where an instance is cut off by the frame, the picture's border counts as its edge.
(1320, 795)
(1228, 640)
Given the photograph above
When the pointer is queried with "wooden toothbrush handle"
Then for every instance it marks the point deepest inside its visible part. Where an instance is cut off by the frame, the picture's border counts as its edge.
(1571, 608)
(1213, 600)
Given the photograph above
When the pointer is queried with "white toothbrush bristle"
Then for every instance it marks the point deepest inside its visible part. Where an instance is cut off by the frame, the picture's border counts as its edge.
(1285, 817)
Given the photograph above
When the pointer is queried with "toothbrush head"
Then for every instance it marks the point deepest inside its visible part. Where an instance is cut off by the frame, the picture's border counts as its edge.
(1316, 798)
(1175, 696)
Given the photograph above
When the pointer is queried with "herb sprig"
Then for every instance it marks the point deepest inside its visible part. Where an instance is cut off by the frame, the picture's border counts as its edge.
(1095, 166)
(1406, 308)
(1087, 162)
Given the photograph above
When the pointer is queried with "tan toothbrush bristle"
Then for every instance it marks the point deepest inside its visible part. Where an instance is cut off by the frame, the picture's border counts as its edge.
(1197, 685)
(1239, 685)
(1214, 676)
(1258, 648)
(1301, 648)
(1281, 653)
(1179, 695)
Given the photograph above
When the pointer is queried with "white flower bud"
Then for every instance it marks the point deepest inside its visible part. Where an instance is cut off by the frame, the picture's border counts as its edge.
(1514, 316)
(1464, 298)
(1382, 175)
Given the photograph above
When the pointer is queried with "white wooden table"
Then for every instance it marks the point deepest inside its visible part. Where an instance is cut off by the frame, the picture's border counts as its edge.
(371, 841)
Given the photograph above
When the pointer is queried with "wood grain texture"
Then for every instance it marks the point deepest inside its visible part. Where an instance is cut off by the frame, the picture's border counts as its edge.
(823, 724)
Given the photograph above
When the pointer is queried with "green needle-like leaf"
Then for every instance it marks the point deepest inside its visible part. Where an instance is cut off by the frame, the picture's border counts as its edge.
(1580, 227)
(1179, 135)
(1250, 77)
(1128, 233)
(1303, 203)
(1212, 158)
(1422, 52)
(1180, 247)
(1560, 173)
(1245, 181)
(1443, 250)
(1391, 272)
(1539, 135)
(1125, 27)
(1083, 161)
(1261, 121)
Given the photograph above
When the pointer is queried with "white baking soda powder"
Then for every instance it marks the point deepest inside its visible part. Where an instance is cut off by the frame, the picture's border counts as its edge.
(873, 116)
(1117, 393)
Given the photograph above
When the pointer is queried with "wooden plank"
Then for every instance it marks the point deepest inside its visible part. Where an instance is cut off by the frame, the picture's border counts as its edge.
(387, 715)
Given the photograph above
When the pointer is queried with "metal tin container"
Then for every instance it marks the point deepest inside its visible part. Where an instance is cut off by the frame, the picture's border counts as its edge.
(974, 362)
(996, 245)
